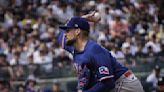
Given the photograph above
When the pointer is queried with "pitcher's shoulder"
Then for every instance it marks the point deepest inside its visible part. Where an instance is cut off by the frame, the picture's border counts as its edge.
(96, 48)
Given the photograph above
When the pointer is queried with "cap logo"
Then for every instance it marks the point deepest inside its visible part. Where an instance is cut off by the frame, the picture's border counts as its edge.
(76, 25)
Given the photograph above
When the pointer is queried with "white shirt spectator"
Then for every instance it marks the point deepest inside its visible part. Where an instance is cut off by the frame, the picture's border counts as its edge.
(38, 59)
(155, 46)
(119, 55)
(13, 61)
(152, 79)
(101, 37)
(133, 48)
(23, 58)
(101, 8)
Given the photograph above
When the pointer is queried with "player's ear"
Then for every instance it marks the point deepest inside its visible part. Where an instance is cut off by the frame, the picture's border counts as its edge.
(77, 32)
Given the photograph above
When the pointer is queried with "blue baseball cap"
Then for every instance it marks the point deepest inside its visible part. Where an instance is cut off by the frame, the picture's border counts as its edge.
(76, 22)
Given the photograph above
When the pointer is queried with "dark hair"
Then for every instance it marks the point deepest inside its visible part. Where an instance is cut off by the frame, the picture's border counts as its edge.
(2, 55)
(20, 86)
(5, 82)
(157, 68)
(85, 33)
(28, 81)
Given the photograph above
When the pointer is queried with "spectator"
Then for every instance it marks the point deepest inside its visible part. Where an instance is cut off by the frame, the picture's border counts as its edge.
(4, 85)
(5, 71)
(31, 84)
(118, 54)
(19, 72)
(41, 55)
(56, 87)
(139, 52)
(130, 61)
(154, 44)
(20, 88)
(118, 26)
(153, 77)
(156, 31)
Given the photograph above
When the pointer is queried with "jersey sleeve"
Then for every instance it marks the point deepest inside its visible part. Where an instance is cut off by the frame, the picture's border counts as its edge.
(103, 66)
(62, 42)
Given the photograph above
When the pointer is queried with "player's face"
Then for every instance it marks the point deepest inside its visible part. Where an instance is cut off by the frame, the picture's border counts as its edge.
(71, 36)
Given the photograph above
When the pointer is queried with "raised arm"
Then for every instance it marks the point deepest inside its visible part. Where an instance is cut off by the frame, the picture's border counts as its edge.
(92, 17)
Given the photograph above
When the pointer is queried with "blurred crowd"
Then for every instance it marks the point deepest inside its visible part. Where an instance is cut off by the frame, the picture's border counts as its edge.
(29, 29)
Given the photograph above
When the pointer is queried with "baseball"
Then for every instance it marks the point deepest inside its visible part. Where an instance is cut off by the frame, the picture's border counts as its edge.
(97, 16)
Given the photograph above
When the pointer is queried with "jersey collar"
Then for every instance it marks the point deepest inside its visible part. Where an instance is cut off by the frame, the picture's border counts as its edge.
(85, 48)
